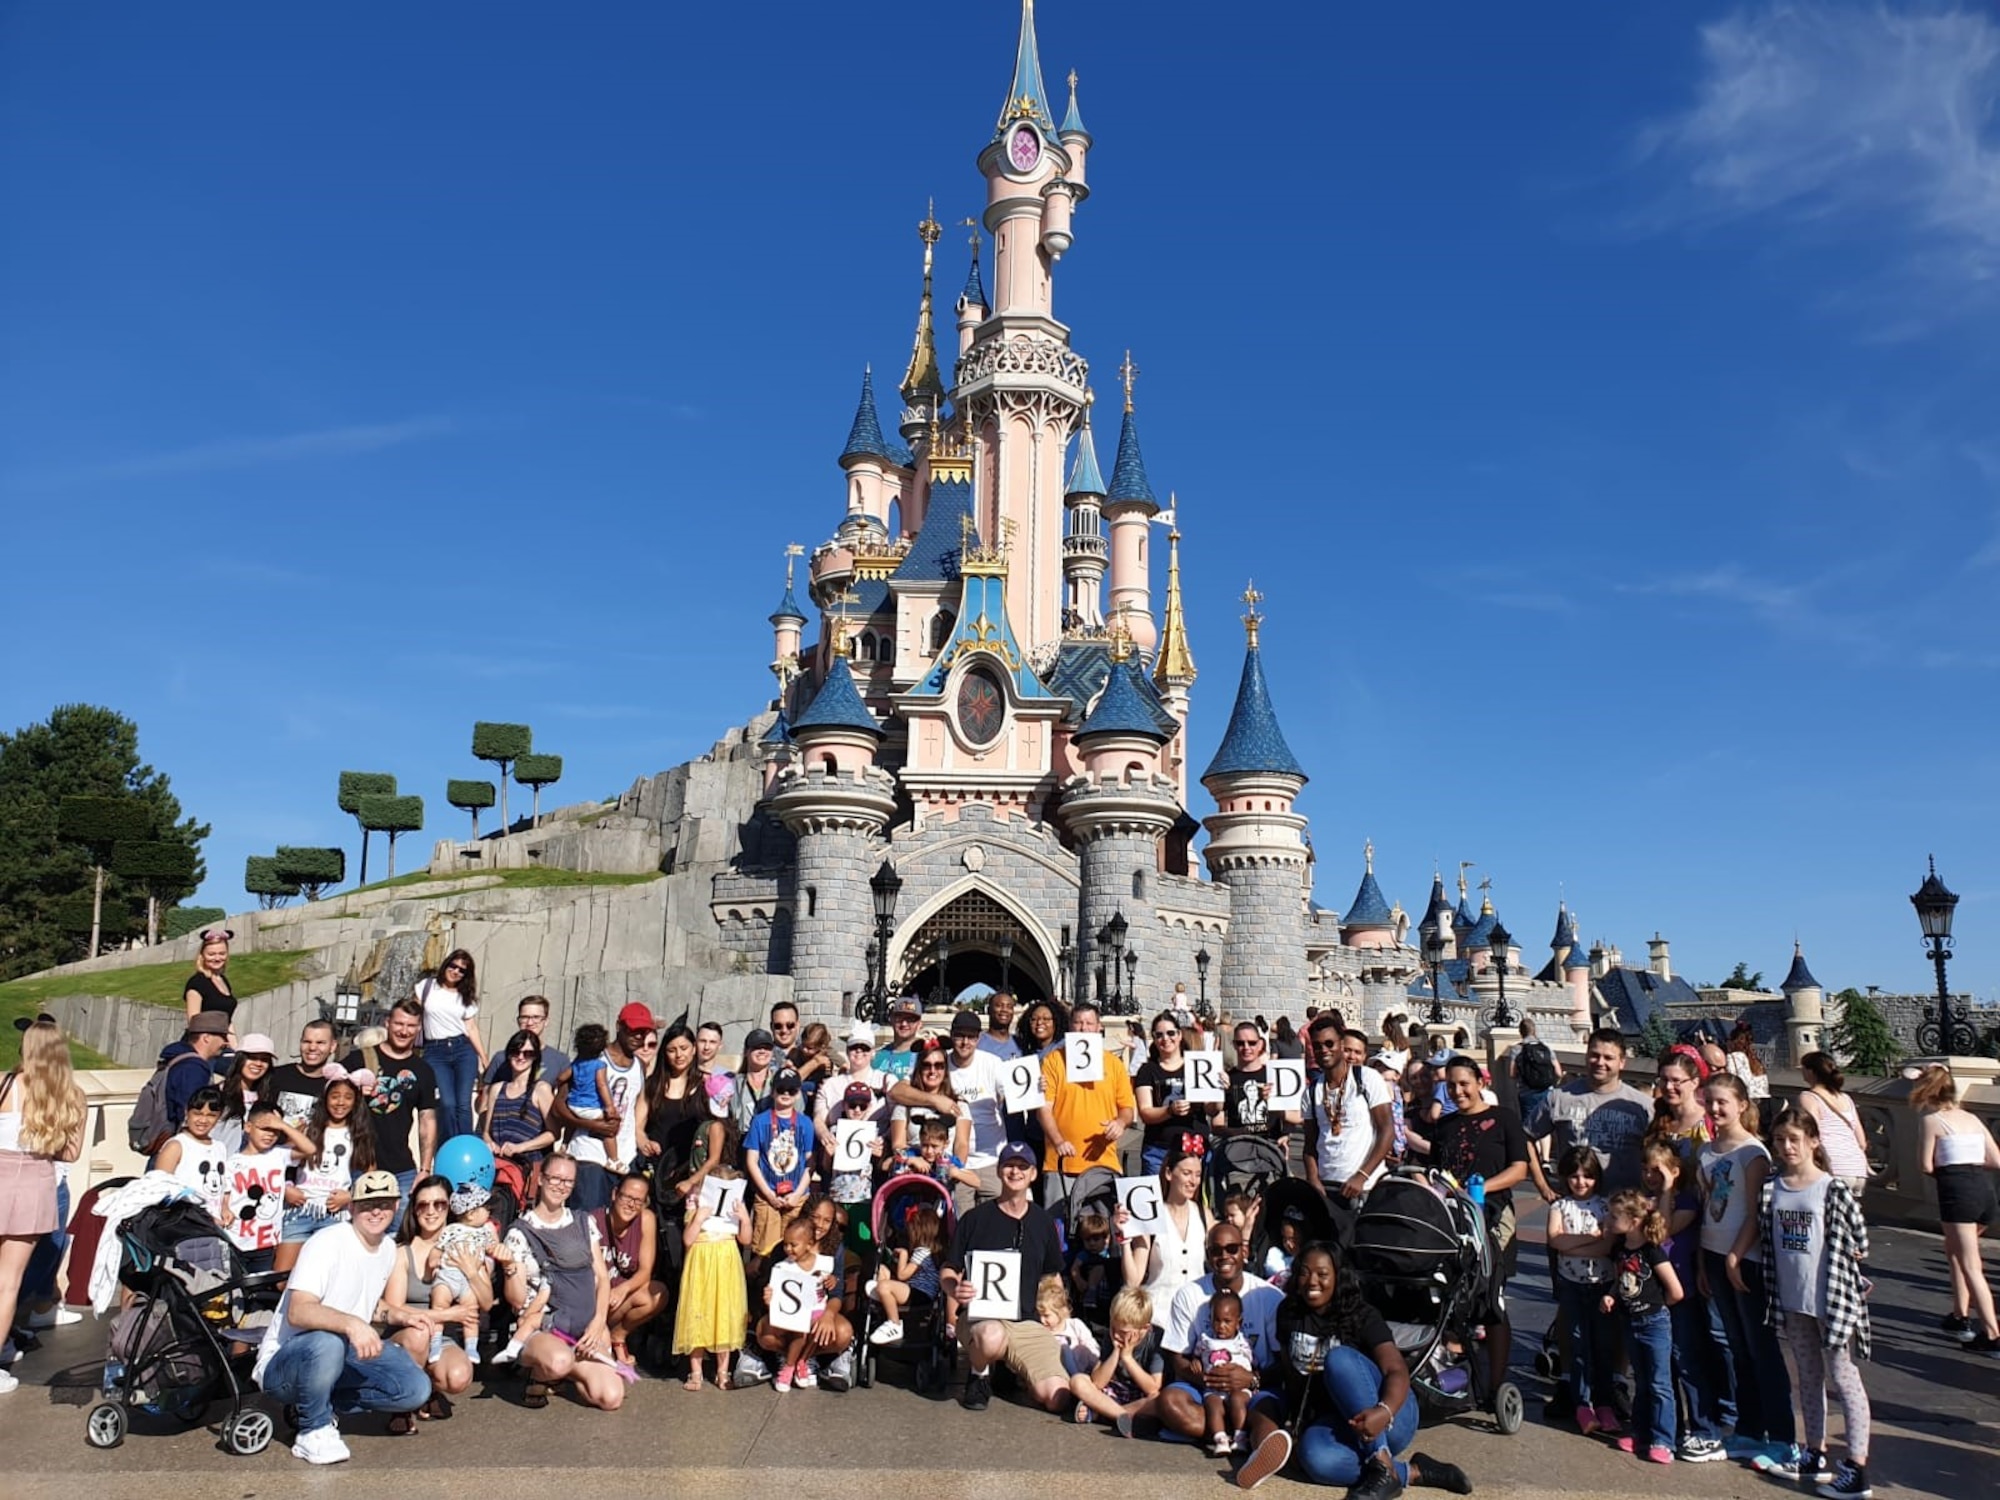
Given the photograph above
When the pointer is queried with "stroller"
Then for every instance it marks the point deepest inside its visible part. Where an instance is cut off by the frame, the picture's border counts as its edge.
(1243, 1164)
(1288, 1200)
(923, 1341)
(1426, 1263)
(170, 1349)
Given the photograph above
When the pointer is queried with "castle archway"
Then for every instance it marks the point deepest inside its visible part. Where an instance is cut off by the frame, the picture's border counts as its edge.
(972, 926)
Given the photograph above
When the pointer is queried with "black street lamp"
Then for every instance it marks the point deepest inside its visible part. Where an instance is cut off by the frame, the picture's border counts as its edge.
(1944, 1035)
(1431, 933)
(1007, 962)
(1113, 937)
(1131, 981)
(943, 960)
(1065, 965)
(1499, 943)
(1201, 962)
(885, 885)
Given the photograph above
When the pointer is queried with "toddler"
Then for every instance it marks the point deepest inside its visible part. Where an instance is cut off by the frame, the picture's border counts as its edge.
(933, 1158)
(714, 1296)
(1095, 1266)
(1286, 1241)
(1122, 1385)
(1643, 1286)
(588, 1086)
(915, 1282)
(1073, 1337)
(829, 1329)
(1580, 1239)
(1223, 1343)
(472, 1224)
(1241, 1210)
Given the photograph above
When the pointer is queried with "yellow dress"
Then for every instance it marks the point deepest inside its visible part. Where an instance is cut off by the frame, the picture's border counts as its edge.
(715, 1303)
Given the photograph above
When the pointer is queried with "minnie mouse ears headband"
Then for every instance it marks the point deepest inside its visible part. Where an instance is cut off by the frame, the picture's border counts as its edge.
(217, 935)
(22, 1023)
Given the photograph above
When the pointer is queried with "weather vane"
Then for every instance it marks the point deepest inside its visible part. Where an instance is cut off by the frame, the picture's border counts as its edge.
(1251, 597)
(1127, 373)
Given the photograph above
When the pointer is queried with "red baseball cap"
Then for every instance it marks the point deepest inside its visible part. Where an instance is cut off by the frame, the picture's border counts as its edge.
(635, 1017)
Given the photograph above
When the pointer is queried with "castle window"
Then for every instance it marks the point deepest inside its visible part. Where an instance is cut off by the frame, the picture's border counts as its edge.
(812, 900)
(1138, 885)
(941, 624)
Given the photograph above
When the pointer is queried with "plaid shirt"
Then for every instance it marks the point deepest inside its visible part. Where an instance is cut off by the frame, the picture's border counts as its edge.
(1845, 1315)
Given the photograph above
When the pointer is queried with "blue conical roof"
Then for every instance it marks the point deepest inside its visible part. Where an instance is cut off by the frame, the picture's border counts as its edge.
(1464, 919)
(1123, 707)
(1481, 933)
(1084, 478)
(1576, 958)
(788, 608)
(975, 286)
(837, 705)
(1073, 121)
(1253, 742)
(780, 732)
(864, 438)
(1128, 474)
(1438, 909)
(1368, 909)
(1800, 978)
(1027, 97)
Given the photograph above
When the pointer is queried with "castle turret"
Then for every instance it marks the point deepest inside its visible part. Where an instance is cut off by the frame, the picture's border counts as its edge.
(1129, 508)
(923, 381)
(1084, 547)
(972, 300)
(1076, 140)
(1255, 848)
(1805, 1007)
(1174, 671)
(1368, 921)
(787, 620)
(870, 460)
(1575, 966)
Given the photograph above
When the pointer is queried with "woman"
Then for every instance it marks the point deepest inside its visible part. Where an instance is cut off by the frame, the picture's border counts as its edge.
(1840, 1132)
(1173, 1254)
(1342, 1375)
(517, 1108)
(1959, 1153)
(247, 1085)
(1741, 1058)
(552, 1241)
(1679, 1114)
(451, 1371)
(631, 1243)
(452, 1047)
(931, 1073)
(1159, 1087)
(1396, 1041)
(41, 1123)
(1485, 1140)
(1285, 1042)
(677, 1117)
(207, 987)
(1040, 1028)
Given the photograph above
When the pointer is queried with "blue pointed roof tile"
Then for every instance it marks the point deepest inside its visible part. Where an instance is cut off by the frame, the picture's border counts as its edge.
(1368, 909)
(837, 705)
(1253, 742)
(933, 556)
(1577, 958)
(864, 438)
(780, 732)
(1084, 476)
(1028, 92)
(1464, 919)
(1073, 121)
(788, 608)
(1124, 707)
(1800, 978)
(975, 287)
(1128, 474)
(1480, 935)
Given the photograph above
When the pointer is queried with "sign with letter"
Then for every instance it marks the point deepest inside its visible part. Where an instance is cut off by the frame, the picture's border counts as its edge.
(1083, 1057)
(1204, 1077)
(851, 1140)
(1140, 1198)
(996, 1284)
(793, 1292)
(1021, 1084)
(1288, 1083)
(719, 1199)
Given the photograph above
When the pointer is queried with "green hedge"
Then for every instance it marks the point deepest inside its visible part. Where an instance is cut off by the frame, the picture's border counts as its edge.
(101, 821)
(354, 785)
(182, 920)
(501, 742)
(469, 795)
(384, 814)
(261, 879)
(312, 868)
(538, 770)
(153, 863)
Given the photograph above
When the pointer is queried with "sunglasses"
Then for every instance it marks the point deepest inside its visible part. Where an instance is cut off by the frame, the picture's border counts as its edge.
(1163, 1035)
(454, 968)
(432, 1205)
(1230, 1247)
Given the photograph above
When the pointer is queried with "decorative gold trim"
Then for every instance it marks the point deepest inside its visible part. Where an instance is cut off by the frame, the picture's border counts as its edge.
(1252, 619)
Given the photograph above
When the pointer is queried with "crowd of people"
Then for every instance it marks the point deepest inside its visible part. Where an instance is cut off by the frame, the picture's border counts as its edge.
(652, 1209)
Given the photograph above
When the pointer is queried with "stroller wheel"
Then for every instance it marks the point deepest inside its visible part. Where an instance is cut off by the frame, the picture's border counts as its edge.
(247, 1432)
(1508, 1408)
(105, 1426)
(864, 1366)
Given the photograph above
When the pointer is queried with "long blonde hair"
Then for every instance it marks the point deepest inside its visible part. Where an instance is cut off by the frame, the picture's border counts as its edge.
(52, 1107)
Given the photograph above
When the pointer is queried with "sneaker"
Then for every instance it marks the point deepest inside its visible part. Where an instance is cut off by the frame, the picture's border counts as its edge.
(978, 1393)
(784, 1381)
(1239, 1441)
(888, 1333)
(805, 1379)
(1378, 1481)
(1586, 1420)
(750, 1369)
(1701, 1450)
(508, 1352)
(8, 1383)
(839, 1373)
(1659, 1453)
(1627, 1444)
(1123, 1422)
(1607, 1420)
(1435, 1474)
(321, 1446)
(54, 1316)
(1266, 1459)
(1219, 1445)
(1953, 1326)
(1791, 1461)
(1850, 1482)
(868, 1290)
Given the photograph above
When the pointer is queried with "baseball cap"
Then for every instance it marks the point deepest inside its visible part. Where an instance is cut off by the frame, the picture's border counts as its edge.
(258, 1045)
(787, 1082)
(635, 1017)
(208, 1023)
(858, 1093)
(908, 1005)
(965, 1023)
(759, 1038)
(863, 1035)
(375, 1187)
(1016, 1151)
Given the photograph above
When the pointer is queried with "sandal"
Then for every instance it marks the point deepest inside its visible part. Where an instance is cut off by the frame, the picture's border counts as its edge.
(402, 1424)
(722, 1380)
(693, 1382)
(536, 1396)
(437, 1409)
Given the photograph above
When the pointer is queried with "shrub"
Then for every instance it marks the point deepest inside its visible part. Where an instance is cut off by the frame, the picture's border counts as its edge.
(354, 785)
(503, 744)
(311, 869)
(261, 879)
(393, 816)
(538, 771)
(470, 796)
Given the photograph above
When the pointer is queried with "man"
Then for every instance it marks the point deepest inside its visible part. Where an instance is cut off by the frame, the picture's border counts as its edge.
(1352, 1128)
(1082, 1123)
(321, 1352)
(532, 1016)
(406, 1093)
(1534, 1069)
(1179, 1406)
(777, 1158)
(603, 1149)
(1599, 1110)
(297, 1086)
(1246, 1099)
(206, 1035)
(999, 1037)
(977, 1091)
(1010, 1224)
(555, 1242)
(707, 1046)
(906, 1019)
(785, 1031)
(754, 1072)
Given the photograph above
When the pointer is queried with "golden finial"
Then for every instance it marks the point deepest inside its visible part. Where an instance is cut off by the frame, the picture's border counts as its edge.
(1368, 856)
(1121, 633)
(1252, 619)
(1463, 866)
(930, 230)
(842, 602)
(792, 551)
(1486, 897)
(974, 239)
(1127, 373)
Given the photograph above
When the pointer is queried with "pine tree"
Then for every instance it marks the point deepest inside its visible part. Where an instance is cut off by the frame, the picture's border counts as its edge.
(1861, 1038)
(1657, 1035)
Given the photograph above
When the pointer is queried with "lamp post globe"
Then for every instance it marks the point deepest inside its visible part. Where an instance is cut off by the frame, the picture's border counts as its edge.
(1945, 1033)
(1500, 943)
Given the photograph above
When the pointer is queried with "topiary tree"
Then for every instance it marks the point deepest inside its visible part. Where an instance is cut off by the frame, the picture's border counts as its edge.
(1862, 1037)
(98, 823)
(503, 744)
(311, 870)
(261, 879)
(393, 816)
(354, 785)
(164, 871)
(182, 920)
(75, 915)
(538, 771)
(470, 796)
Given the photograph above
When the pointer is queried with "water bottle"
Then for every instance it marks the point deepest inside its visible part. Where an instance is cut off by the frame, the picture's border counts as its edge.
(1475, 1189)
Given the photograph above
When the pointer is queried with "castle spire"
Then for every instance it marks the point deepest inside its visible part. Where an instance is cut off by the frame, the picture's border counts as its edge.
(1085, 478)
(864, 438)
(923, 379)
(1253, 743)
(974, 294)
(1027, 98)
(1073, 121)
(1128, 473)
(1176, 665)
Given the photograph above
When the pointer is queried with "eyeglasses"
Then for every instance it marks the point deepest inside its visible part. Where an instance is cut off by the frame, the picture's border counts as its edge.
(561, 1182)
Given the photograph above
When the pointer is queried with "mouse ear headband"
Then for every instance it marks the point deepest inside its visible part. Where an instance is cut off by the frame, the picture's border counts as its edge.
(217, 935)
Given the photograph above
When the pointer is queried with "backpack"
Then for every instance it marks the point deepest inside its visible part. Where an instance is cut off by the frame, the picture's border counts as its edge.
(149, 1127)
(1535, 1066)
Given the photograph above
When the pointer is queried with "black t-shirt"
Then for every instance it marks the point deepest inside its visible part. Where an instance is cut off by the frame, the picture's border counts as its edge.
(294, 1091)
(1304, 1336)
(213, 996)
(403, 1085)
(1635, 1281)
(1176, 1131)
(990, 1227)
(1481, 1145)
(1246, 1103)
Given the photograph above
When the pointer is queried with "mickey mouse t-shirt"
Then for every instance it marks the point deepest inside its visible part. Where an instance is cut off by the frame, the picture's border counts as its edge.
(403, 1086)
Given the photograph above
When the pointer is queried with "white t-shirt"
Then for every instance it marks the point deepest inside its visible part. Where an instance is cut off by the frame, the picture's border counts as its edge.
(334, 1172)
(1580, 1216)
(1340, 1156)
(979, 1087)
(622, 1086)
(257, 1196)
(204, 1167)
(336, 1267)
(1726, 1201)
(1188, 1320)
(445, 1011)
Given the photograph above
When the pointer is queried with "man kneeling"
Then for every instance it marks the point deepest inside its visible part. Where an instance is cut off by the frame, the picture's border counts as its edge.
(1011, 1224)
(321, 1353)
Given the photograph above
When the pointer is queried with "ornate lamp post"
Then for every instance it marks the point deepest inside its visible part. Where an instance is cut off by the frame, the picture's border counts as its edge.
(1946, 1034)
(943, 961)
(1065, 963)
(1431, 933)
(884, 886)
(1113, 937)
(1131, 982)
(1007, 962)
(1201, 962)
(1503, 1015)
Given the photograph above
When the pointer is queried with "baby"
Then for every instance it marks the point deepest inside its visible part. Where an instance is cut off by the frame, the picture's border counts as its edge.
(472, 1225)
(933, 1157)
(1223, 1343)
(1073, 1337)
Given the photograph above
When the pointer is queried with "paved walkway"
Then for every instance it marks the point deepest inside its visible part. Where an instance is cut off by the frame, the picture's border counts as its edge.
(1937, 1415)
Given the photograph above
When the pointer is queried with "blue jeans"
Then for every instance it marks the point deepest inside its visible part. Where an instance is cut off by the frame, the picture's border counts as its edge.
(1332, 1452)
(1697, 1361)
(38, 1281)
(1151, 1160)
(457, 1069)
(318, 1373)
(1763, 1388)
(1650, 1342)
(1593, 1343)
(406, 1183)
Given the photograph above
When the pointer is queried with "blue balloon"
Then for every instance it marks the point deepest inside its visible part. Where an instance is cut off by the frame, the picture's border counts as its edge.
(465, 1161)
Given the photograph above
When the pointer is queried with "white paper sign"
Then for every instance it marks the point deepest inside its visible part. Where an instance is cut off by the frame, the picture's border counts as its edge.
(1288, 1083)
(792, 1295)
(1083, 1057)
(1021, 1083)
(851, 1140)
(1204, 1077)
(822, 1266)
(719, 1198)
(996, 1284)
(1140, 1198)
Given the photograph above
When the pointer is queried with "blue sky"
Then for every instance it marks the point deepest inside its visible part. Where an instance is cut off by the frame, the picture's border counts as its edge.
(1601, 396)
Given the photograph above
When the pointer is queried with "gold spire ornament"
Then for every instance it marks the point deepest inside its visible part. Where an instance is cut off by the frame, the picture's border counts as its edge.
(923, 378)
(1127, 374)
(1252, 619)
(1175, 667)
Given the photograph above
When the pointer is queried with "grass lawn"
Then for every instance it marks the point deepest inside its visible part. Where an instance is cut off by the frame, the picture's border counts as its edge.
(533, 878)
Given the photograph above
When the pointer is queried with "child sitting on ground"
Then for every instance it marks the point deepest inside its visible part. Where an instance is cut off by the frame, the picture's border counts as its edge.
(472, 1224)
(714, 1296)
(1127, 1377)
(914, 1285)
(1073, 1336)
(828, 1329)
(1223, 1414)
(1090, 1267)
(933, 1158)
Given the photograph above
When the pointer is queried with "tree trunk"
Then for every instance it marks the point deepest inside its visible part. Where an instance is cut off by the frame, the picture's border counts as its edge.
(538, 806)
(475, 825)
(152, 919)
(505, 826)
(364, 857)
(96, 908)
(392, 856)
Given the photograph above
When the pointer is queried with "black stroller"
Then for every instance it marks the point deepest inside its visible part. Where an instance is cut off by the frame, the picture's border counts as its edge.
(1427, 1265)
(923, 1341)
(170, 1350)
(1290, 1200)
(1243, 1164)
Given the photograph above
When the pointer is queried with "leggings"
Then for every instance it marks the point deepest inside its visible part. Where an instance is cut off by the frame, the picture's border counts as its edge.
(1820, 1367)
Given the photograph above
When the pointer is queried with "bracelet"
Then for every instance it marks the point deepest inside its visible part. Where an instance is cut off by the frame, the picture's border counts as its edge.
(1385, 1407)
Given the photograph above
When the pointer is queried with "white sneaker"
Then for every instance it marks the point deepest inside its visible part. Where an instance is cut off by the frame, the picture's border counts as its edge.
(321, 1446)
(8, 1383)
(54, 1316)
(888, 1333)
(869, 1290)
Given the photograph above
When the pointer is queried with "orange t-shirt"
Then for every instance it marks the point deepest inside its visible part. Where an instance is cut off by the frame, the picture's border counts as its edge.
(1081, 1110)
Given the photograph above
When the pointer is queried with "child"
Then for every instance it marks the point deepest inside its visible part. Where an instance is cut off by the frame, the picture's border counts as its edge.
(852, 1191)
(1643, 1287)
(915, 1282)
(256, 1178)
(1090, 1264)
(933, 1158)
(195, 1158)
(341, 1135)
(1127, 1377)
(1578, 1236)
(1288, 1239)
(714, 1297)
(1667, 1173)
(1814, 1244)
(1241, 1210)
(588, 1088)
(1073, 1337)
(1223, 1415)
(1734, 1166)
(829, 1330)
(472, 1224)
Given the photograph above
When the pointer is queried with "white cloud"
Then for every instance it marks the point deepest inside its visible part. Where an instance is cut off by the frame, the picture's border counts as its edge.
(249, 453)
(1872, 121)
